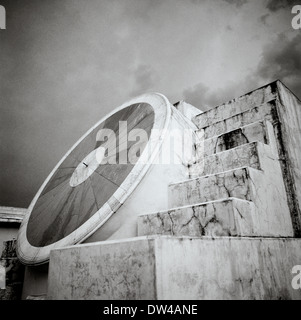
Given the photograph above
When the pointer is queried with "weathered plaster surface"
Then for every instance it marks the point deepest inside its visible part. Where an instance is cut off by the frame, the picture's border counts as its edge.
(264, 186)
(233, 183)
(265, 111)
(231, 139)
(261, 183)
(266, 215)
(241, 156)
(229, 217)
(276, 103)
(124, 270)
(289, 111)
(228, 268)
(236, 106)
(176, 268)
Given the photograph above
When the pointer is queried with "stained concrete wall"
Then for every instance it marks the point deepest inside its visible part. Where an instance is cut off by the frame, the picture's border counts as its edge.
(289, 111)
(176, 268)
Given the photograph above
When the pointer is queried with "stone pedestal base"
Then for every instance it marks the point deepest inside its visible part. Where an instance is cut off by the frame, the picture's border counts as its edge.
(164, 267)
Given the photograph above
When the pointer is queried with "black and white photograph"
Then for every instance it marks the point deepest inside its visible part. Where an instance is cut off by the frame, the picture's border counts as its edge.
(150, 151)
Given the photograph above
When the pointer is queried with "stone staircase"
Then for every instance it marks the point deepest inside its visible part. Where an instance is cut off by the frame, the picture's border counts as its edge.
(236, 185)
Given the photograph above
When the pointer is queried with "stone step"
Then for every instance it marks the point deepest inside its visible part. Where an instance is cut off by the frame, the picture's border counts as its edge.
(265, 182)
(250, 133)
(235, 183)
(236, 106)
(246, 155)
(225, 217)
(265, 111)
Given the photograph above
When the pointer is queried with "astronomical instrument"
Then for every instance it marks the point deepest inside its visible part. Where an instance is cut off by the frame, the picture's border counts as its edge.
(97, 176)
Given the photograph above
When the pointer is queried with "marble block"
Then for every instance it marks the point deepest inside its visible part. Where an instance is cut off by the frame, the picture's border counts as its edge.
(261, 183)
(241, 156)
(164, 267)
(250, 133)
(265, 111)
(236, 106)
(235, 183)
(228, 217)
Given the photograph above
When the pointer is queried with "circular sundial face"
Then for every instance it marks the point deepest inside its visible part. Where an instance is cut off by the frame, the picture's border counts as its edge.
(87, 166)
(93, 179)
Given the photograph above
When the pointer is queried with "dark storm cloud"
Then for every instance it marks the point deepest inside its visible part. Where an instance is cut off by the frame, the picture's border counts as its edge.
(144, 78)
(263, 18)
(282, 60)
(64, 65)
(67, 63)
(206, 98)
(49, 73)
(275, 5)
(280, 9)
(237, 3)
(198, 96)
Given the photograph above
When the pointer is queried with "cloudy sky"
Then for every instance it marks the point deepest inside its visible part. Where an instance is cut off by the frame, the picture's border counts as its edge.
(65, 63)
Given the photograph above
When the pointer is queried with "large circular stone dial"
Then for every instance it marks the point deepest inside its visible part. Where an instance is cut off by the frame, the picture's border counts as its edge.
(93, 179)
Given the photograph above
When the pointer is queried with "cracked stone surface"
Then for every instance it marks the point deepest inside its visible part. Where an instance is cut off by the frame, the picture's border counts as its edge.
(235, 106)
(265, 187)
(276, 103)
(234, 183)
(289, 136)
(97, 272)
(164, 267)
(229, 140)
(230, 217)
(241, 156)
(266, 111)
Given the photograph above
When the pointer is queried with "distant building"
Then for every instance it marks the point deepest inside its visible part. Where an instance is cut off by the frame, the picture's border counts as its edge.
(10, 220)
(11, 270)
